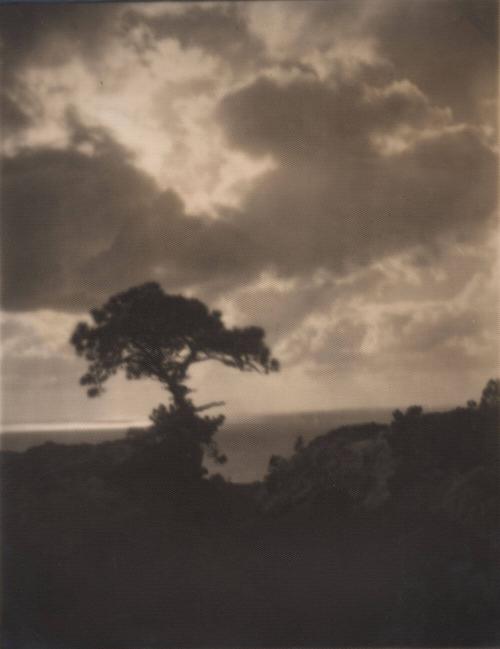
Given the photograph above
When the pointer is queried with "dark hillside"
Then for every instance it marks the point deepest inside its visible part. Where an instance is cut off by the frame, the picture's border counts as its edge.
(368, 535)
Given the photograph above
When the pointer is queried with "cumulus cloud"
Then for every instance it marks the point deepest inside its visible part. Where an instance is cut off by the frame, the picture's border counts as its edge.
(448, 48)
(336, 198)
(220, 30)
(83, 221)
(46, 36)
(416, 320)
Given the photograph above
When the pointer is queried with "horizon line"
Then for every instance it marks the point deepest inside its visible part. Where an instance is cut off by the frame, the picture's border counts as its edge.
(110, 424)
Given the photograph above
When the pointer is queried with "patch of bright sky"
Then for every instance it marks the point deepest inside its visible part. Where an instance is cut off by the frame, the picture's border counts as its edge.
(173, 135)
(40, 334)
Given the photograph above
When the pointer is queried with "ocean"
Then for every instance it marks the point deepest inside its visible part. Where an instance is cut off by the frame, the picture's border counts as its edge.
(247, 442)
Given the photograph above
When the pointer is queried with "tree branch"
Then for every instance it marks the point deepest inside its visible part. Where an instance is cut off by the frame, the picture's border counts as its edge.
(212, 404)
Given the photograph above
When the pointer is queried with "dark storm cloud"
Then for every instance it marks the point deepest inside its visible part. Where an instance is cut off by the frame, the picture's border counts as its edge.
(335, 201)
(49, 35)
(82, 222)
(322, 119)
(447, 47)
(44, 34)
(220, 30)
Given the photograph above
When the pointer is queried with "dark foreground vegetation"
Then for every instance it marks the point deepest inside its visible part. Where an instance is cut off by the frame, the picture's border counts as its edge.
(368, 535)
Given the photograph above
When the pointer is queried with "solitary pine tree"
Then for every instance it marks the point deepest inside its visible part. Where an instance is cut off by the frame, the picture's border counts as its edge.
(145, 332)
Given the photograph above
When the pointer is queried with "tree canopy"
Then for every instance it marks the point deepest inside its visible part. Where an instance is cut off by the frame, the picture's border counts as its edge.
(145, 332)
(148, 333)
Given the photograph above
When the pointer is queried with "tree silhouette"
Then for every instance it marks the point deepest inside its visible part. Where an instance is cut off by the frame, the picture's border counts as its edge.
(145, 332)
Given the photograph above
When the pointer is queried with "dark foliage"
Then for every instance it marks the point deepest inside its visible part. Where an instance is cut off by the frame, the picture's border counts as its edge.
(381, 535)
(146, 333)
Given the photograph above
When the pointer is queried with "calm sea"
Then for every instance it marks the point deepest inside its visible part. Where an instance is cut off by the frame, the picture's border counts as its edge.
(248, 443)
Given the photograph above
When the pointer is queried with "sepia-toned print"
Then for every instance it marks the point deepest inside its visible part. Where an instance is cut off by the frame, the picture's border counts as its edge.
(250, 340)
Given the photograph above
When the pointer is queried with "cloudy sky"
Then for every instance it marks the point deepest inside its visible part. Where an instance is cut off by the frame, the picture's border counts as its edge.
(327, 170)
